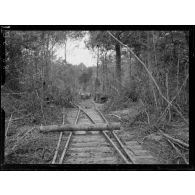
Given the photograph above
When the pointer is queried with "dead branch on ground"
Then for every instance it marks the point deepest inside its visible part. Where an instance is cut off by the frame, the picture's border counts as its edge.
(19, 139)
(178, 151)
(9, 123)
(175, 140)
(178, 92)
(116, 116)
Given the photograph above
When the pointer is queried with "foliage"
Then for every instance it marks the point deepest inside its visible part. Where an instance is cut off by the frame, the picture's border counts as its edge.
(86, 76)
(31, 65)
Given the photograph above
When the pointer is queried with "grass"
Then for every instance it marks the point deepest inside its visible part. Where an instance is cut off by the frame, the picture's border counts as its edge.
(34, 148)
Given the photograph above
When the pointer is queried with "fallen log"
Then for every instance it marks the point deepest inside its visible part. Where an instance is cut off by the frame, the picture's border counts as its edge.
(186, 145)
(178, 152)
(116, 116)
(80, 127)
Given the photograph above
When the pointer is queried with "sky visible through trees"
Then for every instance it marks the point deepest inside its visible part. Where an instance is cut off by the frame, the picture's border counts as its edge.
(77, 53)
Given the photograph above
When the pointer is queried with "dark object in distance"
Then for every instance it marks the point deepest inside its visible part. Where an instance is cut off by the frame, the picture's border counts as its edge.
(99, 98)
(49, 99)
(103, 99)
(132, 96)
(85, 96)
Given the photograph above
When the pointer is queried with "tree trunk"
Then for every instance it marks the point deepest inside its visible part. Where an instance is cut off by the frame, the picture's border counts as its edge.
(80, 127)
(130, 67)
(47, 64)
(187, 37)
(106, 72)
(103, 73)
(167, 86)
(97, 63)
(12, 76)
(43, 68)
(118, 63)
(154, 45)
(65, 51)
(149, 60)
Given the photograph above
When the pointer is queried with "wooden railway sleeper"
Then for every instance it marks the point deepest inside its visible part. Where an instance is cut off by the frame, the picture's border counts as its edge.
(107, 137)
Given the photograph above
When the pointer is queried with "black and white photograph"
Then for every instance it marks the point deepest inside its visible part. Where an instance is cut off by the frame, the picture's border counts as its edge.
(95, 96)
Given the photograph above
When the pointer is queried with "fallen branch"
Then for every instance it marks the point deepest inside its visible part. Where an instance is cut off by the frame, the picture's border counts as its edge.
(15, 119)
(178, 92)
(9, 123)
(178, 151)
(175, 140)
(116, 116)
(18, 140)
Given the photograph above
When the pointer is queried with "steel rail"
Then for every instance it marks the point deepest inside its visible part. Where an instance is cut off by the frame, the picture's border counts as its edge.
(115, 147)
(57, 148)
(59, 140)
(125, 159)
(69, 139)
(116, 137)
(105, 134)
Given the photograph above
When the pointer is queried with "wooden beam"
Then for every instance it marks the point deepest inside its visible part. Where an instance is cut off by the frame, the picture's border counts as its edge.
(80, 127)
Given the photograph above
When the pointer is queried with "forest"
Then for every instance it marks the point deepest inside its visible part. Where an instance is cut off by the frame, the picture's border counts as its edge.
(140, 79)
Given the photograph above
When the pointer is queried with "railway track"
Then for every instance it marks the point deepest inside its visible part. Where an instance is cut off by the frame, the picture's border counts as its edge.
(94, 147)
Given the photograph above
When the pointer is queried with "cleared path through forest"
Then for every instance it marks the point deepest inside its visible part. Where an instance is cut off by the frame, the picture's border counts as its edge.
(94, 147)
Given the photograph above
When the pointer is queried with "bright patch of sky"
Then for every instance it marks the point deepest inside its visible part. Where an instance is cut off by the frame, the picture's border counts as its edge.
(77, 53)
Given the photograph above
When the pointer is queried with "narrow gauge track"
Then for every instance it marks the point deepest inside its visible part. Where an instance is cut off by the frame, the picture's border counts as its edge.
(91, 147)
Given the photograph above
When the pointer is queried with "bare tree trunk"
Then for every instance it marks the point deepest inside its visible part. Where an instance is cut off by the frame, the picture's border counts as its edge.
(97, 75)
(43, 68)
(155, 98)
(187, 37)
(130, 68)
(177, 74)
(36, 61)
(186, 92)
(155, 58)
(118, 63)
(103, 73)
(47, 64)
(149, 62)
(167, 86)
(65, 51)
(97, 63)
(154, 45)
(106, 72)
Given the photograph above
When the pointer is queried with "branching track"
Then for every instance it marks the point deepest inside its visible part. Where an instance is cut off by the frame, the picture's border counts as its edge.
(96, 147)
(91, 147)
